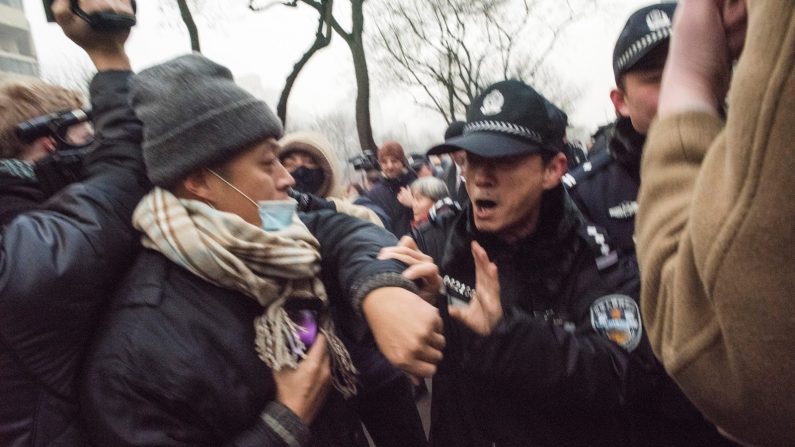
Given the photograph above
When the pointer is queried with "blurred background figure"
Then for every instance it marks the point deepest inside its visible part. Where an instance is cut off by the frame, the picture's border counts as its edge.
(422, 166)
(310, 159)
(396, 175)
(421, 196)
(453, 175)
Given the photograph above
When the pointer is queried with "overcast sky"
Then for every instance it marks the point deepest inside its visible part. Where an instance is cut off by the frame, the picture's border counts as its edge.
(261, 48)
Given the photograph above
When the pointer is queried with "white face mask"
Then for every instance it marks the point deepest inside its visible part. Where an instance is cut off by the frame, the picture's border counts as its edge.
(275, 214)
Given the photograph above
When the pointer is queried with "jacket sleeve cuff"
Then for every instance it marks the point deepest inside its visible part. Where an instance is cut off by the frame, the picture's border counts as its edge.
(686, 134)
(387, 279)
(285, 424)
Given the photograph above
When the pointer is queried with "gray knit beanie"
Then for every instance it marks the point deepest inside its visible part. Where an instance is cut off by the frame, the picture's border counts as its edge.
(194, 115)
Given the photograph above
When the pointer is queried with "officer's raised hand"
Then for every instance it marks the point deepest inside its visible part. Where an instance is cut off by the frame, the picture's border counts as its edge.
(485, 310)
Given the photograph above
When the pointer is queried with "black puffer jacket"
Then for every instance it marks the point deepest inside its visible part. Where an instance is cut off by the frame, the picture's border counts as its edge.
(568, 365)
(58, 265)
(17, 195)
(174, 363)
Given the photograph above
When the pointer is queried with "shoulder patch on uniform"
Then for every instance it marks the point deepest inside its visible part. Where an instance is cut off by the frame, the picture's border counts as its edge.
(617, 317)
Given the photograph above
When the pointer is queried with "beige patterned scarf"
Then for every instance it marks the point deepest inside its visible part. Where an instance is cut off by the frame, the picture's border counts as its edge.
(269, 266)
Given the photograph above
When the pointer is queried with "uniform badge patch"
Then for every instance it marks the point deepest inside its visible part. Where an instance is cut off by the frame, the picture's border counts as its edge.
(657, 19)
(492, 103)
(617, 317)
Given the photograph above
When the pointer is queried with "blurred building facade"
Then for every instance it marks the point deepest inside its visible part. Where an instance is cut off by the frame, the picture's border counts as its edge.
(17, 51)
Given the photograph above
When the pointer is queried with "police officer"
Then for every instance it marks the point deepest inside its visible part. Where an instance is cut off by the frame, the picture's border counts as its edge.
(545, 343)
(606, 187)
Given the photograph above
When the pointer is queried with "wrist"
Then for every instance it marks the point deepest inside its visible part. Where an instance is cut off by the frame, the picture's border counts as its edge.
(682, 93)
(381, 284)
(104, 59)
(286, 424)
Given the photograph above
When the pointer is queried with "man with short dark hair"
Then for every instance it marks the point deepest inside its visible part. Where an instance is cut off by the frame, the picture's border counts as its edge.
(235, 280)
(545, 343)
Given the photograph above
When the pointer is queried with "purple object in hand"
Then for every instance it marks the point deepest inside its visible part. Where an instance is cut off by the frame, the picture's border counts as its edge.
(307, 320)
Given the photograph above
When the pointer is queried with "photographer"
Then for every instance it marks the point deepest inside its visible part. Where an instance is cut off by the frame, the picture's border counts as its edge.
(59, 261)
(25, 102)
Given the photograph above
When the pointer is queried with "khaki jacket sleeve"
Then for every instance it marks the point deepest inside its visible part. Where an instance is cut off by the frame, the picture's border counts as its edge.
(716, 242)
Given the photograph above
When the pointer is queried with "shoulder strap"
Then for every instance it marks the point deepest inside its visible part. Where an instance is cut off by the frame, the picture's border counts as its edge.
(605, 255)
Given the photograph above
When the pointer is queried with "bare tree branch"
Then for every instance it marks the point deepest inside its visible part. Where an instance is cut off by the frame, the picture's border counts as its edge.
(451, 49)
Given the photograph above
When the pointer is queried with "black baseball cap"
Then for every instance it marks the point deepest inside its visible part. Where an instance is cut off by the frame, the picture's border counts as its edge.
(507, 118)
(645, 30)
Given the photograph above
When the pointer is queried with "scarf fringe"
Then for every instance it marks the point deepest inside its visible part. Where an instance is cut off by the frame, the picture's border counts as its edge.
(279, 346)
(343, 373)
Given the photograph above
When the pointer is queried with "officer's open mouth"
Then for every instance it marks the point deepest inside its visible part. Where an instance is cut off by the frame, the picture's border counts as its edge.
(485, 204)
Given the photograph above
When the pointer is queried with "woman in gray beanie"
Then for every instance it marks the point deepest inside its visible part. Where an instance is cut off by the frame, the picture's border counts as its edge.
(220, 334)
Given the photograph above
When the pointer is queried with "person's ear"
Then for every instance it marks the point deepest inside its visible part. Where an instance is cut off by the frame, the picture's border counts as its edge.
(618, 97)
(554, 170)
(199, 186)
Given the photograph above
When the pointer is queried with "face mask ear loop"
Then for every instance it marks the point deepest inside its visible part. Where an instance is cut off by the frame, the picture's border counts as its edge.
(233, 187)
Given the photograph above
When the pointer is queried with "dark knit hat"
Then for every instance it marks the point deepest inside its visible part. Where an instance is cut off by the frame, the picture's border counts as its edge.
(194, 115)
(392, 149)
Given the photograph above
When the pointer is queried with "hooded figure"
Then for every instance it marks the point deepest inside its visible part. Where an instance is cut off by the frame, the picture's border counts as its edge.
(310, 159)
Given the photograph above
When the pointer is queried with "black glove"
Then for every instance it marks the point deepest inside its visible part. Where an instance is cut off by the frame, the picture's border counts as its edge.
(310, 202)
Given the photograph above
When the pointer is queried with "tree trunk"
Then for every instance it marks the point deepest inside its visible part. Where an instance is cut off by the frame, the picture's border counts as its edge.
(187, 18)
(356, 44)
(363, 125)
(322, 39)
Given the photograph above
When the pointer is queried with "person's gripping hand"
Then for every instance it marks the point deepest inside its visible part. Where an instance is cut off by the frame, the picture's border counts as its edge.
(304, 389)
(421, 268)
(406, 328)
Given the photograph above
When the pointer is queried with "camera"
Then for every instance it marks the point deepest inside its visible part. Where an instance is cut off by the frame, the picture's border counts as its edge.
(65, 165)
(55, 125)
(367, 161)
(107, 21)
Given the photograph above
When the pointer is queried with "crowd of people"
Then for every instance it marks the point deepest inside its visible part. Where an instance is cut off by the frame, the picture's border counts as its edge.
(176, 270)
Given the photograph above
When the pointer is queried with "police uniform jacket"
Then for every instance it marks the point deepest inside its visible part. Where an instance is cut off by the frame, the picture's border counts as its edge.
(605, 188)
(567, 364)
